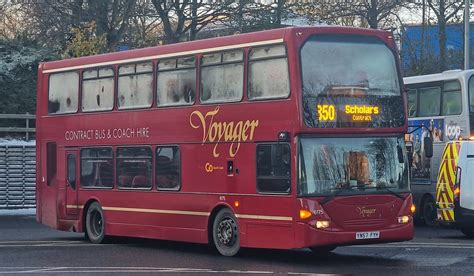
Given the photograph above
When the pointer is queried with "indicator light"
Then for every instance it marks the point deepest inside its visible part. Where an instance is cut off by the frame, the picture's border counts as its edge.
(413, 208)
(236, 203)
(304, 214)
(403, 219)
(320, 224)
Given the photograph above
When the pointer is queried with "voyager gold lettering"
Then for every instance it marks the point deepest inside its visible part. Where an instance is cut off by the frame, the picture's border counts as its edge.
(216, 132)
(366, 212)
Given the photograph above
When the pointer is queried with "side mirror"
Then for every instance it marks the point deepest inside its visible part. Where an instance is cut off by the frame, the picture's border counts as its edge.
(401, 160)
(428, 147)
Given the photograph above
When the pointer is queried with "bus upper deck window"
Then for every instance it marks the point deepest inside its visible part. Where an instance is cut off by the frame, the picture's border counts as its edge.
(452, 102)
(268, 73)
(222, 77)
(98, 89)
(135, 86)
(176, 82)
(63, 93)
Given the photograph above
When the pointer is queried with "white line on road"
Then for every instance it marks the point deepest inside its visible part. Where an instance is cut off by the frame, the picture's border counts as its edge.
(63, 270)
(446, 245)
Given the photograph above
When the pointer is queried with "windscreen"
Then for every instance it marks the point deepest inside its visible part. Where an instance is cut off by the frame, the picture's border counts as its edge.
(350, 81)
(352, 166)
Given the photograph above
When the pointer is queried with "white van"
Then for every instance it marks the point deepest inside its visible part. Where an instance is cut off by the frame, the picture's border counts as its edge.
(455, 186)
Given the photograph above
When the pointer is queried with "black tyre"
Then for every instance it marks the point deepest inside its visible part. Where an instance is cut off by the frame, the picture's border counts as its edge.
(225, 233)
(429, 212)
(322, 250)
(469, 232)
(95, 223)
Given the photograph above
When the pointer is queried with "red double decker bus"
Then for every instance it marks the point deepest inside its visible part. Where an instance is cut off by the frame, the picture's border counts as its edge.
(287, 138)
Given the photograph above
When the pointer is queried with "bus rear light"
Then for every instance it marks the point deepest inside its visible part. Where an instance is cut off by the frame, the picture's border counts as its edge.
(413, 208)
(320, 224)
(304, 214)
(403, 219)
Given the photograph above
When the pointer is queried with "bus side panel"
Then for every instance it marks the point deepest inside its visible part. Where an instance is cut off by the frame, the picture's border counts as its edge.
(48, 193)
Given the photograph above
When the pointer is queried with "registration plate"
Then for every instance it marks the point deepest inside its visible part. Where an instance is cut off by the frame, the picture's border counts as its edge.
(367, 235)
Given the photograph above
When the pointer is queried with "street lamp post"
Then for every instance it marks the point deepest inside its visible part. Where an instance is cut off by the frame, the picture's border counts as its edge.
(466, 34)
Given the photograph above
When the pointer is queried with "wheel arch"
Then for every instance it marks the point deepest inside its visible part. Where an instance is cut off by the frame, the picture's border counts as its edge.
(84, 212)
(212, 216)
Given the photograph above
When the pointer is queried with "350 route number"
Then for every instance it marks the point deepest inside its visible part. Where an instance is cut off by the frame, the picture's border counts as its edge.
(326, 112)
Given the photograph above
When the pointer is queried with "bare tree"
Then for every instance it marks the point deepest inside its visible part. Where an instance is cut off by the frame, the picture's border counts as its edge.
(54, 20)
(183, 19)
(360, 13)
(445, 11)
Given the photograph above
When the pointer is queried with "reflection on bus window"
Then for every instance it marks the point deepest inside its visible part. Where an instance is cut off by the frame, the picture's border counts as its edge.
(97, 167)
(412, 102)
(135, 86)
(273, 168)
(63, 93)
(355, 165)
(451, 98)
(168, 168)
(97, 89)
(430, 101)
(336, 65)
(222, 77)
(268, 73)
(134, 167)
(176, 82)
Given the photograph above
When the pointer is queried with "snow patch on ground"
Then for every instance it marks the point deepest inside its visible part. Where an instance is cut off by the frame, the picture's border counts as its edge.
(18, 212)
(14, 142)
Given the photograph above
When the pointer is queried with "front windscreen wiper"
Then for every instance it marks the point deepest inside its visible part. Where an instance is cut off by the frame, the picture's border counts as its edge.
(336, 193)
(388, 190)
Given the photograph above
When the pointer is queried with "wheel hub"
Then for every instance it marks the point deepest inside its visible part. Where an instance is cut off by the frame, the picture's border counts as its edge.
(227, 232)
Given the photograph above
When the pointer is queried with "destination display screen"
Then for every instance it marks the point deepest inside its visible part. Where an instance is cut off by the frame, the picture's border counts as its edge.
(350, 81)
(355, 113)
(343, 112)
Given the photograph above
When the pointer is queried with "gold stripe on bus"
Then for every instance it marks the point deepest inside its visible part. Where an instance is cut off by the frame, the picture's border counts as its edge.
(74, 207)
(177, 54)
(156, 211)
(279, 218)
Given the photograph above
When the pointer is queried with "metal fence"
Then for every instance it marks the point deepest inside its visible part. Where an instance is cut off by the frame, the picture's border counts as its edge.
(27, 129)
(17, 176)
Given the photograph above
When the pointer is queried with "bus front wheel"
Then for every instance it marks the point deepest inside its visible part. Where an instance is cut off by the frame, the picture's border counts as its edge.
(95, 223)
(225, 233)
(429, 211)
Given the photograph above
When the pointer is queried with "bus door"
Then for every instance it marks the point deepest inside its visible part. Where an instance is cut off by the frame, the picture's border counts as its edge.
(72, 182)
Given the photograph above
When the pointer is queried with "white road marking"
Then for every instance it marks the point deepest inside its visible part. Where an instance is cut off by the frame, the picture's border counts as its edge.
(63, 270)
(41, 270)
(446, 245)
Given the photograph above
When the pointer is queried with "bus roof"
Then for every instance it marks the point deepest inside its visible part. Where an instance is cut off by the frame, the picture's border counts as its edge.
(198, 46)
(446, 75)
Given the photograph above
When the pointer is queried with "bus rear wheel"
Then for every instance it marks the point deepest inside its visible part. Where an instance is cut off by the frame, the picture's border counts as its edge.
(225, 233)
(95, 223)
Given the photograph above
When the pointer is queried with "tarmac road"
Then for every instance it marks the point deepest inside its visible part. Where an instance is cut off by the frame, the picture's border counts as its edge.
(29, 248)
